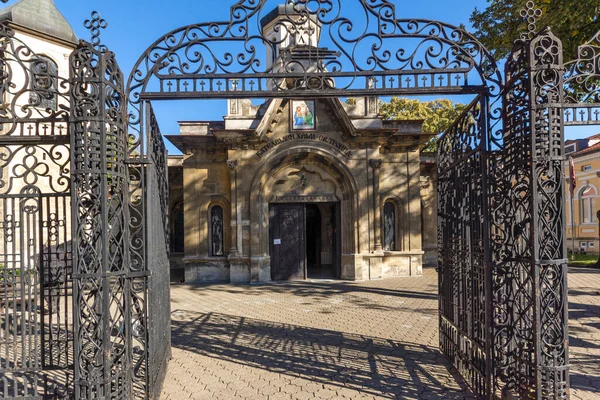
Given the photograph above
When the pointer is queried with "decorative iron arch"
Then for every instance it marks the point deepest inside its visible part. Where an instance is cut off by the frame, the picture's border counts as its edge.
(582, 85)
(431, 57)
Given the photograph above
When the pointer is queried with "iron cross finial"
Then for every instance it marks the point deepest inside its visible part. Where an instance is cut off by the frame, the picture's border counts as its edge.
(531, 15)
(94, 25)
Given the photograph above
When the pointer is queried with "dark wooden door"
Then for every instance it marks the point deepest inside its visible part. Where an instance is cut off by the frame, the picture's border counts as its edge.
(287, 231)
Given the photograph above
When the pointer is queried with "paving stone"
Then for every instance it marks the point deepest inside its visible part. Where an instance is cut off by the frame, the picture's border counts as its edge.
(303, 396)
(325, 394)
(247, 393)
(279, 396)
(269, 390)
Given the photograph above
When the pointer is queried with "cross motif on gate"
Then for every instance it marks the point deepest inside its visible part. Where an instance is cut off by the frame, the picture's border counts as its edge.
(532, 16)
(94, 25)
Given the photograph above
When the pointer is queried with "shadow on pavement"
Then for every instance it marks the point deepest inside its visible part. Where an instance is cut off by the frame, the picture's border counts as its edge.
(372, 365)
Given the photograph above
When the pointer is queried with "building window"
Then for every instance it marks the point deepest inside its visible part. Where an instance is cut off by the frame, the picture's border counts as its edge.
(216, 231)
(586, 168)
(591, 244)
(275, 45)
(569, 149)
(389, 227)
(44, 83)
(587, 204)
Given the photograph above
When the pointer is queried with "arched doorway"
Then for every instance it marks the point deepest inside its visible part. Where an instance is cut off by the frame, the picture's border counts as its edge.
(304, 216)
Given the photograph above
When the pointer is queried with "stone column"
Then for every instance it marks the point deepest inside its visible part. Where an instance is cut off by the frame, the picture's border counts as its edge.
(376, 165)
(233, 164)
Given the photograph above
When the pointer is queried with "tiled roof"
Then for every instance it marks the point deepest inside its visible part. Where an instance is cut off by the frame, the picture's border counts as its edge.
(591, 149)
(41, 16)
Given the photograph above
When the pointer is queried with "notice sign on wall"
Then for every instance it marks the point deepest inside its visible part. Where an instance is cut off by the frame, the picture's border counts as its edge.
(277, 241)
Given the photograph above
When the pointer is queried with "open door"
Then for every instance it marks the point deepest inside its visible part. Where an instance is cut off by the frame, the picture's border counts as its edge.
(337, 241)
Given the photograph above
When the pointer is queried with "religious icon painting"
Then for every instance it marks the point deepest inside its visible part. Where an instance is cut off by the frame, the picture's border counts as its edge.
(303, 115)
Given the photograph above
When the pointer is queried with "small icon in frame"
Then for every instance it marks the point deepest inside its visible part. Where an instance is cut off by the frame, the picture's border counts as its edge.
(303, 115)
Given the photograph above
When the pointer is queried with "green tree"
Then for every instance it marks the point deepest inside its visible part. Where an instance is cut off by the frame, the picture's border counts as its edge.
(574, 22)
(437, 115)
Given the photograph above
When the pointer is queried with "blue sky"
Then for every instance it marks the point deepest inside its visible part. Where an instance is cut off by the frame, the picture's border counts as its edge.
(135, 24)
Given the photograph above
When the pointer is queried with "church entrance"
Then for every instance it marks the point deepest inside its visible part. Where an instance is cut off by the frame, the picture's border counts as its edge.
(304, 241)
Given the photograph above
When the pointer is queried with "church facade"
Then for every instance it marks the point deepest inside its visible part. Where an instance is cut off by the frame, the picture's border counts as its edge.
(298, 188)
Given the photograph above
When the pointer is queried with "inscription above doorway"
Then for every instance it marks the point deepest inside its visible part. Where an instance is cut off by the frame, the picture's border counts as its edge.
(307, 199)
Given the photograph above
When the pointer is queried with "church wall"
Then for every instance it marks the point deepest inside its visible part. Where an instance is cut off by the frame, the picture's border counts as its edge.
(205, 184)
(399, 185)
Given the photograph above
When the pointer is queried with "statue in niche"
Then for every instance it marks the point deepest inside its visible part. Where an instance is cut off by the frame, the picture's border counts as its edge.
(389, 227)
(217, 230)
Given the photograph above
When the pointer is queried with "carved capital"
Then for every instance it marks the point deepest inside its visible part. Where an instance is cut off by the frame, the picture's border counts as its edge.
(375, 163)
(232, 164)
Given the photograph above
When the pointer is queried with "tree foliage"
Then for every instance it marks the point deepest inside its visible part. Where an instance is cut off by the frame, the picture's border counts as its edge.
(437, 115)
(574, 22)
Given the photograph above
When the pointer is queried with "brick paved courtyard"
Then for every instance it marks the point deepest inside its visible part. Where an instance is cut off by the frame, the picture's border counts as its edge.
(337, 340)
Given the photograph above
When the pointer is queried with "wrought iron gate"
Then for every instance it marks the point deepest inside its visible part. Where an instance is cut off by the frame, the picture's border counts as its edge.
(102, 274)
(78, 319)
(503, 258)
(36, 330)
(464, 253)
(121, 268)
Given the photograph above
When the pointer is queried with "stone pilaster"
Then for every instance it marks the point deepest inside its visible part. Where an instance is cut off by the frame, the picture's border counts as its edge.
(376, 258)
(376, 165)
(239, 270)
(232, 165)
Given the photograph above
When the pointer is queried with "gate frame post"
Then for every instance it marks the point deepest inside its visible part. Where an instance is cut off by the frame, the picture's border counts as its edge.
(550, 260)
(537, 257)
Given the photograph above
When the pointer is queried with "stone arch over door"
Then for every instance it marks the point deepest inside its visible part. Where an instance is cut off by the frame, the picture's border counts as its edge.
(299, 157)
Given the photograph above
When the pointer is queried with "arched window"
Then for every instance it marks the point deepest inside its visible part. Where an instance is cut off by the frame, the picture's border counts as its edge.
(389, 227)
(587, 204)
(44, 83)
(216, 231)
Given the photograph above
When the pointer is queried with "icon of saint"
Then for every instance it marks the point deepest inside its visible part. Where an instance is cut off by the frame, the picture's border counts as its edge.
(298, 117)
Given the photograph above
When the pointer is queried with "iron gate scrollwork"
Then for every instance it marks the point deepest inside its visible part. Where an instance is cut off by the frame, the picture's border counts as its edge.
(531, 280)
(581, 102)
(157, 261)
(122, 316)
(102, 273)
(36, 331)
